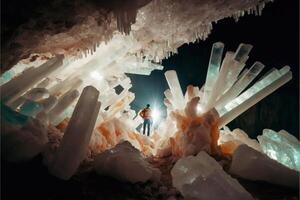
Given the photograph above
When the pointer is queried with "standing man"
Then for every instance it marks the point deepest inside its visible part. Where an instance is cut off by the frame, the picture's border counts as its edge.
(146, 115)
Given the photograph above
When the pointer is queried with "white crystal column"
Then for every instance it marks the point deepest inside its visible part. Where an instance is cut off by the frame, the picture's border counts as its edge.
(44, 83)
(220, 82)
(63, 103)
(75, 141)
(213, 69)
(254, 94)
(48, 103)
(16, 87)
(119, 106)
(65, 85)
(241, 54)
(240, 85)
(175, 88)
(33, 94)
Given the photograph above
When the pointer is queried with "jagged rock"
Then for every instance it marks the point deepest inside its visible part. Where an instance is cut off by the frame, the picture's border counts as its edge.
(201, 177)
(254, 165)
(124, 162)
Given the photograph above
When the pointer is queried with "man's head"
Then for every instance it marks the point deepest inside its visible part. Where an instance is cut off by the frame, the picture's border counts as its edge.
(148, 105)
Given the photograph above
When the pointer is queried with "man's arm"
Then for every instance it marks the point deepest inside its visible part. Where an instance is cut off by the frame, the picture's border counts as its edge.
(141, 113)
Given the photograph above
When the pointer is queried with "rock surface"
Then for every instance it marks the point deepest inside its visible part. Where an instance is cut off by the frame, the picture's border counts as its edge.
(254, 165)
(22, 143)
(125, 163)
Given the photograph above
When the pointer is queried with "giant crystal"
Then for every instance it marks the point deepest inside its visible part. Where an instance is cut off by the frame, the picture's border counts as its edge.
(175, 88)
(213, 69)
(282, 147)
(74, 144)
(254, 94)
(16, 87)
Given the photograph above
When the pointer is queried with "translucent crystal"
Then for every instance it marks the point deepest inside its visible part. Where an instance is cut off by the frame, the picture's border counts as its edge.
(253, 95)
(16, 87)
(12, 117)
(213, 69)
(31, 108)
(256, 166)
(242, 52)
(240, 85)
(201, 177)
(63, 103)
(75, 141)
(175, 88)
(282, 147)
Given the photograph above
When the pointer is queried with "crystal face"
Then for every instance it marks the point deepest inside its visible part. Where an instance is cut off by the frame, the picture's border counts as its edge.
(201, 177)
(281, 146)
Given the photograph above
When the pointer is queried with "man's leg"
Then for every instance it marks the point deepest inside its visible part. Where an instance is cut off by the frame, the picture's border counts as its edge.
(144, 127)
(148, 124)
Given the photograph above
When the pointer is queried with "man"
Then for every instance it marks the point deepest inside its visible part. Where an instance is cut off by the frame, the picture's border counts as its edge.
(146, 115)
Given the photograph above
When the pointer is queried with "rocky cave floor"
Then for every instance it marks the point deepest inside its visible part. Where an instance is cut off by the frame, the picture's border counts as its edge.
(31, 180)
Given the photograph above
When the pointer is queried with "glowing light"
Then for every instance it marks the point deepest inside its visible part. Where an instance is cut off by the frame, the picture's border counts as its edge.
(155, 115)
(96, 75)
(200, 109)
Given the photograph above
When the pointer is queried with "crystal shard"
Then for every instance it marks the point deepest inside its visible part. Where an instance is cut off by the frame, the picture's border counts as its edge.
(63, 103)
(201, 177)
(282, 147)
(124, 162)
(74, 144)
(175, 88)
(213, 69)
(240, 85)
(16, 87)
(254, 94)
(254, 165)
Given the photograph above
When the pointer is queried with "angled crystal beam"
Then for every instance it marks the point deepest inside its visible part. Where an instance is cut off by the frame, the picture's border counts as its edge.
(213, 69)
(119, 106)
(113, 99)
(48, 103)
(44, 83)
(16, 87)
(16, 103)
(33, 94)
(63, 103)
(30, 108)
(218, 87)
(240, 85)
(65, 85)
(169, 96)
(74, 144)
(241, 54)
(175, 88)
(254, 94)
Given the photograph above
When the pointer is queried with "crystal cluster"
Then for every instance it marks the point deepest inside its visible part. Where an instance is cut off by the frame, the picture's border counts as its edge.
(94, 126)
(226, 94)
(254, 165)
(280, 146)
(201, 177)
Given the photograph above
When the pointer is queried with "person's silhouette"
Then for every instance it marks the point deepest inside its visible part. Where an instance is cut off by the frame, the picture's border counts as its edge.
(146, 115)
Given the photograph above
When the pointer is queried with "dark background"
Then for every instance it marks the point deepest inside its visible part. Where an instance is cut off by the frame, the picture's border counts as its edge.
(275, 37)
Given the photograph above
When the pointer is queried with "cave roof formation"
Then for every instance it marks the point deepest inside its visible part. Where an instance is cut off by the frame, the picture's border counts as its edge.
(155, 28)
